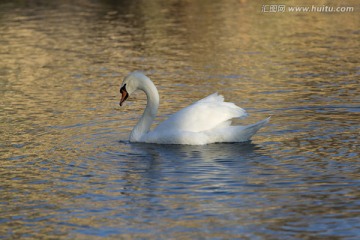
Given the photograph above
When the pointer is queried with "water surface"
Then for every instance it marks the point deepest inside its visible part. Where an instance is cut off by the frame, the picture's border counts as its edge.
(69, 172)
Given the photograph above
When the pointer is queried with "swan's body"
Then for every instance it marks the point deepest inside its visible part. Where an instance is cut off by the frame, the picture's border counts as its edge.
(205, 121)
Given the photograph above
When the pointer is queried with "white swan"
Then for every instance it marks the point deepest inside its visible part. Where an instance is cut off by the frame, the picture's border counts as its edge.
(205, 121)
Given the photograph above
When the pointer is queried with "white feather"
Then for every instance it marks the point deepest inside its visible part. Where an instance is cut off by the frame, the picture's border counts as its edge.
(205, 114)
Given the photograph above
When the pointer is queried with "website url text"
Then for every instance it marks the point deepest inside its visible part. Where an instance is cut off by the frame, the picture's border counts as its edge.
(320, 9)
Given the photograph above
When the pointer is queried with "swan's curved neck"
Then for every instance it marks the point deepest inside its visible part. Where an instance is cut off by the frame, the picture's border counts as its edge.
(144, 124)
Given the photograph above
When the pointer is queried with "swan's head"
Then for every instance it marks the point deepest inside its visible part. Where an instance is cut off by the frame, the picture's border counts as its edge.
(131, 83)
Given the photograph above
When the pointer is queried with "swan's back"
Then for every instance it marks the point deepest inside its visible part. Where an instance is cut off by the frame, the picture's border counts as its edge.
(206, 114)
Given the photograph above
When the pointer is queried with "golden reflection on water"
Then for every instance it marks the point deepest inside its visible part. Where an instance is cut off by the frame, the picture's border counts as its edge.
(61, 66)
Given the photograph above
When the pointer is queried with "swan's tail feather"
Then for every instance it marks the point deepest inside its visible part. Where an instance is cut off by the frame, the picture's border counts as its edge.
(244, 133)
(250, 130)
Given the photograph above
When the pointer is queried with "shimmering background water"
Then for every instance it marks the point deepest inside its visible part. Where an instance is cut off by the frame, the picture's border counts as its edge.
(68, 171)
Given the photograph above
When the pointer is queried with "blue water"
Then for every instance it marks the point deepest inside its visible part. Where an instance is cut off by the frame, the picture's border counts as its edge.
(68, 170)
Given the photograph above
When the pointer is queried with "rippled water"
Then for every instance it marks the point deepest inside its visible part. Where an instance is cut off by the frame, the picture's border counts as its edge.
(68, 171)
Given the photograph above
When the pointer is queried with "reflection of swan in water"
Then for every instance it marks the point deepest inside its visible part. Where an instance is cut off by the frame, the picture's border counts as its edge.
(205, 121)
(220, 152)
(183, 179)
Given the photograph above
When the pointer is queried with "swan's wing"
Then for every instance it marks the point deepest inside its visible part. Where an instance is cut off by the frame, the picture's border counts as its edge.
(220, 135)
(205, 114)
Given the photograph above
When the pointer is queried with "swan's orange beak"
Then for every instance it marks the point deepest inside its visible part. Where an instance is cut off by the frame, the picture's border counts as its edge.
(124, 95)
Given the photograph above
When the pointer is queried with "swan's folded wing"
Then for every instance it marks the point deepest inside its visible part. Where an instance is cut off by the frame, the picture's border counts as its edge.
(205, 114)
